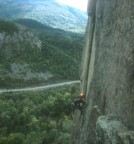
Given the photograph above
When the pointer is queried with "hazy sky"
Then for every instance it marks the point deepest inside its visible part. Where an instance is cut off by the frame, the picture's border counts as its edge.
(80, 4)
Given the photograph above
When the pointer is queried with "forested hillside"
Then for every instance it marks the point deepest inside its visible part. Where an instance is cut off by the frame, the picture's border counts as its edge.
(48, 12)
(32, 53)
(41, 43)
(71, 43)
(43, 117)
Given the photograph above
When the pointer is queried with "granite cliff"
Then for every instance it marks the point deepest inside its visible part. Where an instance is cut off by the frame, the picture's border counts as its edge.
(107, 75)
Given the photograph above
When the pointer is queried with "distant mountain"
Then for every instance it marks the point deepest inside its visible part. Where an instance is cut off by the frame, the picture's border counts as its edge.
(32, 53)
(48, 12)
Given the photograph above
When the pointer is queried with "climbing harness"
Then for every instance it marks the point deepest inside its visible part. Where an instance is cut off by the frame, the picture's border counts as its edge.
(79, 102)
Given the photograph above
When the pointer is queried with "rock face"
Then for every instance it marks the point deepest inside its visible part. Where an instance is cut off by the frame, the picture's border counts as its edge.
(16, 44)
(110, 130)
(107, 74)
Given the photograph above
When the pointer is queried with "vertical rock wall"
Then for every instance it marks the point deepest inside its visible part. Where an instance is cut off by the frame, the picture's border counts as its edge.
(107, 75)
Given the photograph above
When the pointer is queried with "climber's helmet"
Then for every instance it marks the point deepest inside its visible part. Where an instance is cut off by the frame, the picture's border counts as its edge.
(82, 94)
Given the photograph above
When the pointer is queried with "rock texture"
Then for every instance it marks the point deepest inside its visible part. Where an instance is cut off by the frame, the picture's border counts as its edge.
(17, 50)
(107, 74)
(110, 130)
(18, 43)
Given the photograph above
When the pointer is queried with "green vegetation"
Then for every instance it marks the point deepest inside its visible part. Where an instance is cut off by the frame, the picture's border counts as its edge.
(8, 27)
(42, 117)
(69, 42)
(60, 54)
(48, 12)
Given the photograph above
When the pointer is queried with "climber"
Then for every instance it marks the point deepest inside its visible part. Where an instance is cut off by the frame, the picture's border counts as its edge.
(79, 102)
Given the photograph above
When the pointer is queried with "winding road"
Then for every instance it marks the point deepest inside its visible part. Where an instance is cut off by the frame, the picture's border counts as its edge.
(38, 87)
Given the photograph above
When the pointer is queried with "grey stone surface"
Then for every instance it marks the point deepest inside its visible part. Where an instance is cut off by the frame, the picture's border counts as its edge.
(110, 130)
(23, 71)
(16, 44)
(107, 71)
(2, 36)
